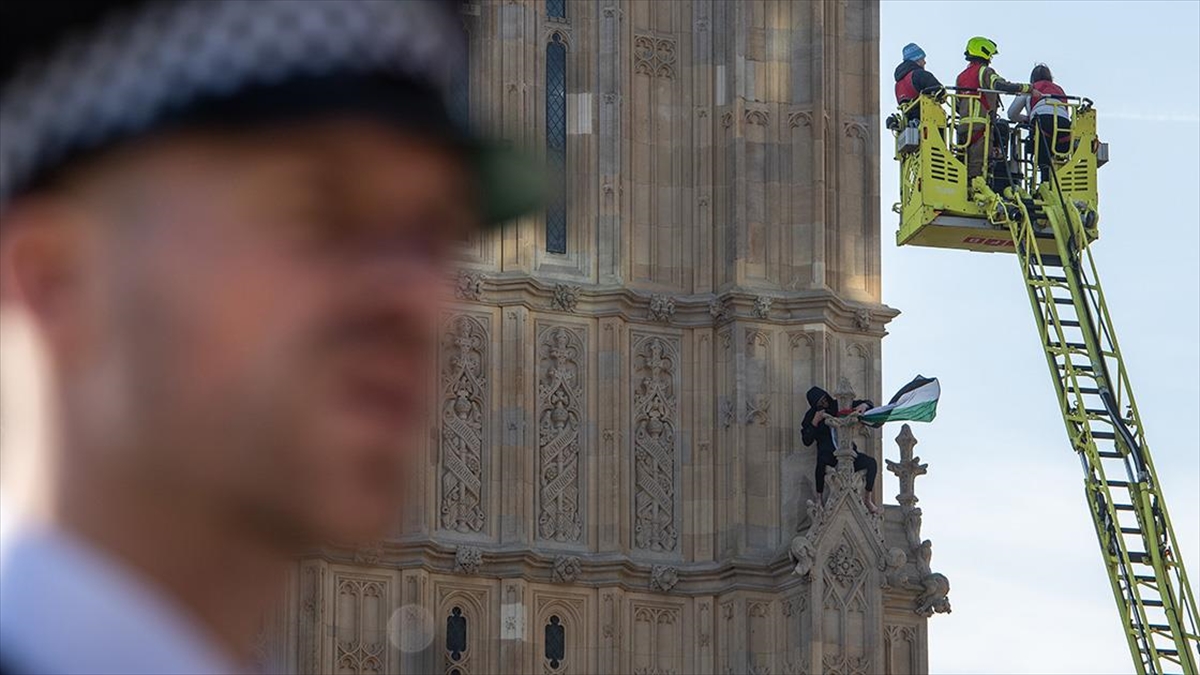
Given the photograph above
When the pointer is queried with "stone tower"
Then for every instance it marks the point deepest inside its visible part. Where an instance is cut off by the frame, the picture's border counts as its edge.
(613, 479)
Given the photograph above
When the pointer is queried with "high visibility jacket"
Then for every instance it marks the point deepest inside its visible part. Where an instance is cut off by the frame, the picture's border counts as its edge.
(968, 83)
(905, 89)
(1045, 89)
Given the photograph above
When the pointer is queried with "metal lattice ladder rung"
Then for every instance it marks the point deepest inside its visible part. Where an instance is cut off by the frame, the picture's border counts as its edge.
(1079, 346)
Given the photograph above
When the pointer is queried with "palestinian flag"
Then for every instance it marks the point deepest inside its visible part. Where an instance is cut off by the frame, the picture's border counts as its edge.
(915, 402)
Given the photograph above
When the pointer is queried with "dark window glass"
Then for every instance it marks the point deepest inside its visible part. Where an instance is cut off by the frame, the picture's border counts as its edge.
(556, 641)
(460, 95)
(556, 9)
(556, 144)
(460, 88)
(456, 634)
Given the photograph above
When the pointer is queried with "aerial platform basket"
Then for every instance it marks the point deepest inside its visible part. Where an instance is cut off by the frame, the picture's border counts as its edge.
(939, 208)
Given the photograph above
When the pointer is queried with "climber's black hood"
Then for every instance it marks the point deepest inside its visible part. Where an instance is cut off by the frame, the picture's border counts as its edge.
(814, 396)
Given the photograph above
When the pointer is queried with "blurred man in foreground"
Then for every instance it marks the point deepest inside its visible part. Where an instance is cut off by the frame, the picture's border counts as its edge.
(227, 224)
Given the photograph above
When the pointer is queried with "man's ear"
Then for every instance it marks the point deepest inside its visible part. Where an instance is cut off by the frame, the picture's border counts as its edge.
(42, 251)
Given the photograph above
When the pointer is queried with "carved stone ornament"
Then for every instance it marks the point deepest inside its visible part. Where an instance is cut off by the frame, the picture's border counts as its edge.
(758, 410)
(654, 56)
(842, 663)
(370, 553)
(719, 310)
(934, 598)
(663, 578)
(566, 569)
(662, 308)
(892, 566)
(464, 391)
(468, 560)
(907, 470)
(912, 526)
(803, 554)
(728, 414)
(845, 565)
(565, 298)
(560, 416)
(762, 307)
(655, 411)
(756, 117)
(862, 319)
(469, 285)
(800, 118)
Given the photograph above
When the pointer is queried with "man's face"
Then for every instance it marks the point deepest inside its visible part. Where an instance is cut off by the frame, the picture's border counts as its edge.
(921, 62)
(827, 404)
(260, 314)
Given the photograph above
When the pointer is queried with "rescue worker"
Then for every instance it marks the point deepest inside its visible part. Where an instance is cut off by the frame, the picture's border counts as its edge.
(1042, 114)
(912, 80)
(978, 75)
(814, 430)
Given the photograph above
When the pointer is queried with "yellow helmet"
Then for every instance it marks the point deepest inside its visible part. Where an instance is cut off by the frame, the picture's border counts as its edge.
(982, 48)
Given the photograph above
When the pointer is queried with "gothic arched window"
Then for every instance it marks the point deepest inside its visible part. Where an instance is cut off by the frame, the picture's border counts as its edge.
(556, 643)
(456, 637)
(556, 144)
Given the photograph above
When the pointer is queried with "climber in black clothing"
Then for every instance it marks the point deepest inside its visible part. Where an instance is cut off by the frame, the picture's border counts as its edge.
(814, 429)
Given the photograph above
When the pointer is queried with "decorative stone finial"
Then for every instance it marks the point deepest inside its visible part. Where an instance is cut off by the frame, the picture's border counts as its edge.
(844, 426)
(908, 468)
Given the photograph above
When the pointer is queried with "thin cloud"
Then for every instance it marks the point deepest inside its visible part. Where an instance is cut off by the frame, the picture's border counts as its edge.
(1185, 118)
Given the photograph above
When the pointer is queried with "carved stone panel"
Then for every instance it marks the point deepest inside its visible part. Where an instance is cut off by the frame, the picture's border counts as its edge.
(845, 622)
(760, 645)
(655, 422)
(657, 639)
(562, 356)
(312, 617)
(361, 610)
(796, 635)
(654, 56)
(464, 412)
(901, 651)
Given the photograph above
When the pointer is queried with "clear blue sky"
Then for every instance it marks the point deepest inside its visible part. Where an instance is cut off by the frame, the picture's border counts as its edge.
(1003, 500)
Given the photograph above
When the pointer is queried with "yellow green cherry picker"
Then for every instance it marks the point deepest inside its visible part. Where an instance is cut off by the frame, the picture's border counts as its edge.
(1040, 205)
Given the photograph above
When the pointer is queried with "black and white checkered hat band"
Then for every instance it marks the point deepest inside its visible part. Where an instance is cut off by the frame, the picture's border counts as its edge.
(135, 67)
